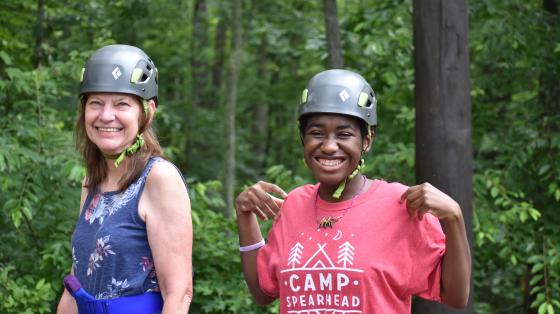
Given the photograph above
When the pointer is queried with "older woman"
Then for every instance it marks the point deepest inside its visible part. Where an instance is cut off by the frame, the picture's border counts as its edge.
(131, 249)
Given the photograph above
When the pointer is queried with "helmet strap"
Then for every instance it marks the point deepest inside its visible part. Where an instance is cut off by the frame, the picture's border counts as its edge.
(111, 157)
(145, 106)
(130, 150)
(338, 193)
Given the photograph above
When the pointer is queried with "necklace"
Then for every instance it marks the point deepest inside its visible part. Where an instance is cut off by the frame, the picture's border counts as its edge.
(329, 221)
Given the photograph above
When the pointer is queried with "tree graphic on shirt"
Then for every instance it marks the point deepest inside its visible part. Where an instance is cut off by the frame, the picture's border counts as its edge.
(346, 254)
(295, 255)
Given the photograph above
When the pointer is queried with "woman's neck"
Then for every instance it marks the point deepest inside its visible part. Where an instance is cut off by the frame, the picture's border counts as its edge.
(114, 175)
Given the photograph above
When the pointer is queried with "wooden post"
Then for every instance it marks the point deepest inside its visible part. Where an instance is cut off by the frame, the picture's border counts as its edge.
(333, 35)
(443, 110)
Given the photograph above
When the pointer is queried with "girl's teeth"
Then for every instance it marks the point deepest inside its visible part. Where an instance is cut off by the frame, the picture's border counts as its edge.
(329, 163)
(108, 129)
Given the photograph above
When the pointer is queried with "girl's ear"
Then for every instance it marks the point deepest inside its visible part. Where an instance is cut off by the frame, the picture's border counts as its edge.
(367, 143)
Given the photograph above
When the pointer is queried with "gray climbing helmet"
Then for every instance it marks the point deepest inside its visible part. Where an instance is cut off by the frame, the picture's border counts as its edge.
(120, 69)
(341, 92)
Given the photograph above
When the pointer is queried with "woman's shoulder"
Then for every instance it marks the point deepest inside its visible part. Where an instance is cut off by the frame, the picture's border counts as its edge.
(163, 172)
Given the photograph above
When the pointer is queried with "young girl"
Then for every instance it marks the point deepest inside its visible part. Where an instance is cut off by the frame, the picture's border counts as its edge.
(350, 244)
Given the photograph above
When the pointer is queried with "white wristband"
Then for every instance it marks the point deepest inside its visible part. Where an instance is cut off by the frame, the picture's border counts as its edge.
(252, 246)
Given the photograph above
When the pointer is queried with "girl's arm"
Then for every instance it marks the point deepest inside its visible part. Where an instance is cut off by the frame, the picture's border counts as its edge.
(456, 268)
(255, 201)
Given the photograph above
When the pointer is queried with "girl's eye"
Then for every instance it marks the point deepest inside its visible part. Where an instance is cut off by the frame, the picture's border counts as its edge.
(123, 104)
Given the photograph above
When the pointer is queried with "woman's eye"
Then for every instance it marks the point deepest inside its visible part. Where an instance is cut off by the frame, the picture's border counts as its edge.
(123, 104)
(94, 103)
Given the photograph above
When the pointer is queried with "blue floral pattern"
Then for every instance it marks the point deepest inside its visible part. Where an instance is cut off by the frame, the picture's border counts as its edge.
(114, 290)
(102, 206)
(111, 256)
(102, 249)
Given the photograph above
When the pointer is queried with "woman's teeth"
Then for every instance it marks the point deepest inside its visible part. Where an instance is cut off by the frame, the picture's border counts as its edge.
(108, 129)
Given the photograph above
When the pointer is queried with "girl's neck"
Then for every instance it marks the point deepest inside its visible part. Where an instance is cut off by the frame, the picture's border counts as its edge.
(353, 187)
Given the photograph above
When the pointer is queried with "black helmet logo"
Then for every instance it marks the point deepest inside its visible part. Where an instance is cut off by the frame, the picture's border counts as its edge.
(116, 72)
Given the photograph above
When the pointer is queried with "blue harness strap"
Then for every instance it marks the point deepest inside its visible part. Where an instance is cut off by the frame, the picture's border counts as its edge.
(147, 303)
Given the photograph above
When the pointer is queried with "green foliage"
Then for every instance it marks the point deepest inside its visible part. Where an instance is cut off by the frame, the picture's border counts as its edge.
(219, 284)
(515, 112)
(516, 131)
(24, 294)
(39, 185)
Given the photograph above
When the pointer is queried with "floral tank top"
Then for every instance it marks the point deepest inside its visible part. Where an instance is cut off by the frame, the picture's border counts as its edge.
(111, 256)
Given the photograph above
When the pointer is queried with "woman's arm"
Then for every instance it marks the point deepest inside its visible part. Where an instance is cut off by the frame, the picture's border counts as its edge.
(255, 201)
(456, 268)
(165, 207)
(67, 304)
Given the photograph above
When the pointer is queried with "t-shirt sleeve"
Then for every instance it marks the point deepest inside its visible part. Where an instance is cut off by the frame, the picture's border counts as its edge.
(428, 254)
(268, 258)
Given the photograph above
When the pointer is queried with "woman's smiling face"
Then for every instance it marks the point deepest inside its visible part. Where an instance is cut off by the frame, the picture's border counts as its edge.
(333, 146)
(112, 121)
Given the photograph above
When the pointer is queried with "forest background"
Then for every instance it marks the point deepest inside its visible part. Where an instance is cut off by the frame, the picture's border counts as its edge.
(273, 48)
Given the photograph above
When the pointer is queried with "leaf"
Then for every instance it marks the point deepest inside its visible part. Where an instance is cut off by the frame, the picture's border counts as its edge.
(543, 169)
(6, 58)
(542, 308)
(549, 308)
(537, 267)
(27, 212)
(536, 279)
(513, 260)
(16, 218)
(523, 216)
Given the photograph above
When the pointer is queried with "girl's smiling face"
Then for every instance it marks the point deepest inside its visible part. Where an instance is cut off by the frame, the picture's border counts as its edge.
(333, 146)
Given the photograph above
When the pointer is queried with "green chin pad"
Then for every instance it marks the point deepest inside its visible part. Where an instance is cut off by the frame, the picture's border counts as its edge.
(130, 150)
(342, 184)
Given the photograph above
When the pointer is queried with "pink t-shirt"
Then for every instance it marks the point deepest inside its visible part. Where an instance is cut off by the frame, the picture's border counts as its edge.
(371, 261)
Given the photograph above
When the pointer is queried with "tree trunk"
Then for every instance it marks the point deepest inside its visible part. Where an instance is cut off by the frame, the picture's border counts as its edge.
(199, 80)
(39, 36)
(550, 6)
(333, 36)
(199, 43)
(234, 65)
(220, 53)
(443, 110)
(260, 118)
